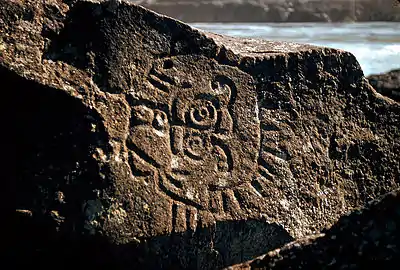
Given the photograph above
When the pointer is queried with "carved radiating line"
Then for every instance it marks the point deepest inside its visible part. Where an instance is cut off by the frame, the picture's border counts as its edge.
(176, 196)
(160, 81)
(269, 127)
(215, 202)
(257, 188)
(281, 155)
(239, 198)
(174, 216)
(230, 202)
(225, 202)
(191, 218)
(188, 218)
(184, 217)
(155, 81)
(267, 166)
(162, 76)
(264, 172)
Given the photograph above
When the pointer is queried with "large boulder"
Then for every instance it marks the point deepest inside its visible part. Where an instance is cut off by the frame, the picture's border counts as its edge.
(387, 84)
(137, 140)
(365, 239)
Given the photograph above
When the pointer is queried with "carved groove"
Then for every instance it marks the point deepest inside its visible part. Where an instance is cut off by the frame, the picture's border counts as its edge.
(217, 142)
(162, 77)
(174, 216)
(225, 202)
(181, 171)
(156, 82)
(179, 198)
(257, 186)
(239, 199)
(269, 127)
(143, 155)
(267, 166)
(175, 182)
(276, 153)
(264, 172)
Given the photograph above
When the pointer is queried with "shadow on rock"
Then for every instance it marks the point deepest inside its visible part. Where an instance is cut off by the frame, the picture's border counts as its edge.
(209, 248)
(365, 239)
(55, 175)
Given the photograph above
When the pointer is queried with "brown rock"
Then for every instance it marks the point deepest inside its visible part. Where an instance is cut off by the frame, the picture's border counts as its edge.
(141, 142)
(365, 239)
(387, 84)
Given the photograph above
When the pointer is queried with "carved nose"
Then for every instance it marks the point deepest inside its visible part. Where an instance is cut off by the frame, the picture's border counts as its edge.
(177, 133)
(150, 139)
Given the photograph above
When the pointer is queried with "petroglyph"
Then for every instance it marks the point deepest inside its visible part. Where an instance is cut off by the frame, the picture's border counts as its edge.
(201, 138)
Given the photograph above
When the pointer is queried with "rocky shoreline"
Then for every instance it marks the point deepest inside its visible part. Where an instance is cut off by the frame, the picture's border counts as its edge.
(387, 84)
(277, 11)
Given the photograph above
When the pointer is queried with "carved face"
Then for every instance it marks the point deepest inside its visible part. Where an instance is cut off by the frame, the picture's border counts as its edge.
(191, 133)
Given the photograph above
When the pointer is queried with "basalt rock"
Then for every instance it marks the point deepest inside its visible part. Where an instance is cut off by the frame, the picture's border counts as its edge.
(365, 239)
(387, 84)
(137, 141)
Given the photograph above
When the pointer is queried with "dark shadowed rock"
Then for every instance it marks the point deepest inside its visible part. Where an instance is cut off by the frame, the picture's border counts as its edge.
(138, 141)
(387, 84)
(365, 239)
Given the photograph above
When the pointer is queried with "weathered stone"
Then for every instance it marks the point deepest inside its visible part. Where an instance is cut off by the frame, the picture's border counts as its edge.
(365, 239)
(140, 141)
(387, 84)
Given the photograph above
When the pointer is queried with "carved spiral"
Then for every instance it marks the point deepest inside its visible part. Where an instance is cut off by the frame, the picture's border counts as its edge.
(203, 114)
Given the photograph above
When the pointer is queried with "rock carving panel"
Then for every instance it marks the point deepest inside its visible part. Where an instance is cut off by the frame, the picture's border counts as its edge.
(194, 129)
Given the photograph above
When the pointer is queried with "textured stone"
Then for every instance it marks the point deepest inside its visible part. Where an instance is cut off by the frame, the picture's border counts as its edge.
(365, 239)
(387, 84)
(139, 141)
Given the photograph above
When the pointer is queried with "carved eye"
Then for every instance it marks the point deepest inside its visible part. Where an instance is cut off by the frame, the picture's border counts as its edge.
(195, 146)
(203, 114)
(160, 121)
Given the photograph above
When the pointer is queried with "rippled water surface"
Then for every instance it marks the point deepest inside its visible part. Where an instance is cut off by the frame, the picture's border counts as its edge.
(376, 45)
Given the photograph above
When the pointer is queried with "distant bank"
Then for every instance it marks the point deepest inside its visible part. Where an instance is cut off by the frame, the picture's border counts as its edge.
(277, 10)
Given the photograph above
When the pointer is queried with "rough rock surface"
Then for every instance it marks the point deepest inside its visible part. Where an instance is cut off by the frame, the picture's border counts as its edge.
(365, 239)
(276, 10)
(138, 141)
(387, 84)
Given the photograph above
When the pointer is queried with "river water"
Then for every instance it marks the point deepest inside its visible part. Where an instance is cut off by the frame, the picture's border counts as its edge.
(375, 45)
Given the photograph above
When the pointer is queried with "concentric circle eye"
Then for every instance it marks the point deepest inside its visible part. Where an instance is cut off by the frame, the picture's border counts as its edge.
(195, 146)
(203, 114)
